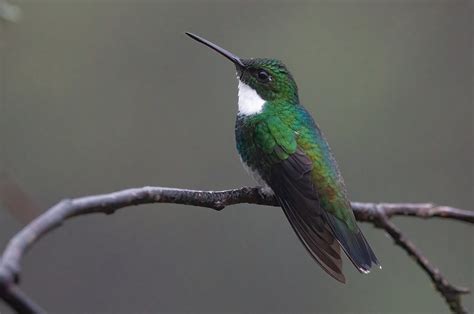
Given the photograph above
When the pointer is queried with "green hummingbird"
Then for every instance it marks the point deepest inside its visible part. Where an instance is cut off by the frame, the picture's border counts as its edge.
(283, 149)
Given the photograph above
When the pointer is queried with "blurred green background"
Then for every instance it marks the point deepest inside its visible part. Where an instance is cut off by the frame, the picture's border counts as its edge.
(103, 95)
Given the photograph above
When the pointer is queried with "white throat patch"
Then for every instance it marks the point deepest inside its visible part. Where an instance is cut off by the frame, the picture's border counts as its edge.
(249, 101)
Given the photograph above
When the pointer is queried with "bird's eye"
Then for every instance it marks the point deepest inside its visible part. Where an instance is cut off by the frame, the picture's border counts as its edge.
(263, 76)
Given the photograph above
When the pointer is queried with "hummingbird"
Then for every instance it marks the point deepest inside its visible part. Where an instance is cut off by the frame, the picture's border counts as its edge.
(283, 148)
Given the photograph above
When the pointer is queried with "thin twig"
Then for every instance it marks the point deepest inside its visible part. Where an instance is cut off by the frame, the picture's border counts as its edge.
(378, 214)
(420, 210)
(18, 300)
(451, 294)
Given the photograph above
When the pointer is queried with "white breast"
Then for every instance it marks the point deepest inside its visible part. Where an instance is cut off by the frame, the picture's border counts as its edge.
(249, 101)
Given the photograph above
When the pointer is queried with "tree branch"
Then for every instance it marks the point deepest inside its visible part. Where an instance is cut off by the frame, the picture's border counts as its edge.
(377, 214)
(451, 294)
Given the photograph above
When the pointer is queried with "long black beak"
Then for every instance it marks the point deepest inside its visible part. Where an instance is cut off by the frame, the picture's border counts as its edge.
(229, 55)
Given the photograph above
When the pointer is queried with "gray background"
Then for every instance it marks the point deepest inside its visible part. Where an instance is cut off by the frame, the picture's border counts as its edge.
(104, 95)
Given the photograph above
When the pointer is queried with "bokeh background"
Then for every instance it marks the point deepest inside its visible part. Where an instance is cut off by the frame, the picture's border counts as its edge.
(98, 96)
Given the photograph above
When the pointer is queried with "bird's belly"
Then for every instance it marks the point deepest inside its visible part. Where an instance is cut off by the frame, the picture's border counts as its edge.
(256, 176)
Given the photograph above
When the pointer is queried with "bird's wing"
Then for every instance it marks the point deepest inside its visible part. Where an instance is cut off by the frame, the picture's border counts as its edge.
(291, 181)
(289, 176)
(311, 193)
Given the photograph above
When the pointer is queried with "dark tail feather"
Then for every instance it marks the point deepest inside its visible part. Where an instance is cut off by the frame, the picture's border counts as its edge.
(354, 244)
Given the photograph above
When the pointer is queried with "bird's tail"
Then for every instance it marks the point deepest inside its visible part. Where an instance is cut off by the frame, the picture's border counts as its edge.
(354, 244)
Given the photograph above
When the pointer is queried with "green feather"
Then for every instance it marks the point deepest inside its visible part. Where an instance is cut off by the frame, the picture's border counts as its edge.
(277, 133)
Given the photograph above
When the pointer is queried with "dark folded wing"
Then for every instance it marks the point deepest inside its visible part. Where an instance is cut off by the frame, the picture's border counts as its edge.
(291, 181)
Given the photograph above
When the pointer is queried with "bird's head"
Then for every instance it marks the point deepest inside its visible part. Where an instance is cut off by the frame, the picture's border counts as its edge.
(269, 78)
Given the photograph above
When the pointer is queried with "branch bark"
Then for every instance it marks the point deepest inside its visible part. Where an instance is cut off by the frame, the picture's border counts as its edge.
(378, 214)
